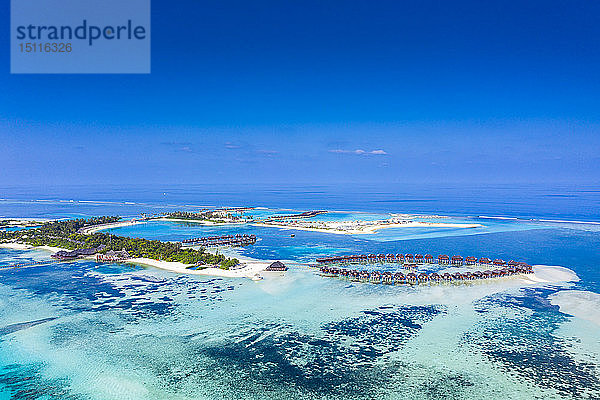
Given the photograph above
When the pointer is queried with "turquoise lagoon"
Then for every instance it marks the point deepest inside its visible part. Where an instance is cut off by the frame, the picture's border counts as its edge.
(83, 330)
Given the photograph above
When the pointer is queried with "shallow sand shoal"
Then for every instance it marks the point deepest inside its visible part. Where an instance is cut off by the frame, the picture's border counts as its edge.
(578, 303)
(551, 274)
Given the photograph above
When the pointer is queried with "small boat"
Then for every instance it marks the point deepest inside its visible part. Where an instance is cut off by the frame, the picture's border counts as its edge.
(257, 277)
(292, 235)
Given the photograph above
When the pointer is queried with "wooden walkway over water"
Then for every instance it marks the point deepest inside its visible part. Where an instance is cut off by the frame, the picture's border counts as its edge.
(27, 264)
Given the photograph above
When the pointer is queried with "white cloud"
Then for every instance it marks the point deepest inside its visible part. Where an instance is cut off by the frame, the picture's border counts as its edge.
(267, 152)
(378, 152)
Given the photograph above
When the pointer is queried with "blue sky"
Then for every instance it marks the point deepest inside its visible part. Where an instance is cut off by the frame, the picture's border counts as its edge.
(353, 91)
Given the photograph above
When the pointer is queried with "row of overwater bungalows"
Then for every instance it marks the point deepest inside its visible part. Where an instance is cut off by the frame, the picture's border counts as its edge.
(224, 240)
(442, 259)
(398, 278)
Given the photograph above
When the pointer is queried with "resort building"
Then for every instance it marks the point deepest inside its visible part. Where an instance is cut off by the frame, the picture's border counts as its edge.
(279, 266)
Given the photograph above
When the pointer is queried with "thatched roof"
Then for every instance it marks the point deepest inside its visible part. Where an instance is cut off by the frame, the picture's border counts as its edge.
(276, 266)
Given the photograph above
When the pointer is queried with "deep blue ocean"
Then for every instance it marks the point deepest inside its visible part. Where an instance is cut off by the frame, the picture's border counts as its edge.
(87, 331)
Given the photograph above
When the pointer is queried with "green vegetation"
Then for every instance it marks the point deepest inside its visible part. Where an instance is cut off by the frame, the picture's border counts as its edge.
(219, 216)
(66, 234)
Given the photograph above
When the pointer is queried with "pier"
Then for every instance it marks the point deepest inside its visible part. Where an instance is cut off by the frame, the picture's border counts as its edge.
(27, 264)
(224, 240)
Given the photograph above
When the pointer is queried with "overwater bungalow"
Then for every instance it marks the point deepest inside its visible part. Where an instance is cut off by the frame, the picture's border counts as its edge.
(387, 278)
(70, 255)
(428, 258)
(334, 271)
(524, 268)
(484, 261)
(498, 262)
(470, 260)
(409, 258)
(410, 267)
(391, 258)
(423, 277)
(477, 275)
(443, 259)
(65, 255)
(113, 256)
(434, 277)
(354, 275)
(381, 257)
(411, 278)
(364, 276)
(457, 276)
(495, 273)
(344, 272)
(376, 277)
(468, 276)
(419, 258)
(457, 260)
(399, 278)
(487, 274)
(446, 277)
(399, 258)
(372, 257)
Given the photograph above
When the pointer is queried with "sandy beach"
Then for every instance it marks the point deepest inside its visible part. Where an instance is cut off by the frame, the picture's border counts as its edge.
(248, 270)
(96, 228)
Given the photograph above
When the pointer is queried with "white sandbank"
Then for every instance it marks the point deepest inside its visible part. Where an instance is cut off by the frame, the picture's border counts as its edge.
(118, 224)
(578, 303)
(550, 274)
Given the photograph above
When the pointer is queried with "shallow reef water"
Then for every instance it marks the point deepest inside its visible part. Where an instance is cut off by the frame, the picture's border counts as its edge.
(83, 330)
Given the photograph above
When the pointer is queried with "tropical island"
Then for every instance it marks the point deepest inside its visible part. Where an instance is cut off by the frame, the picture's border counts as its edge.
(73, 234)
(214, 216)
(358, 227)
(304, 221)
